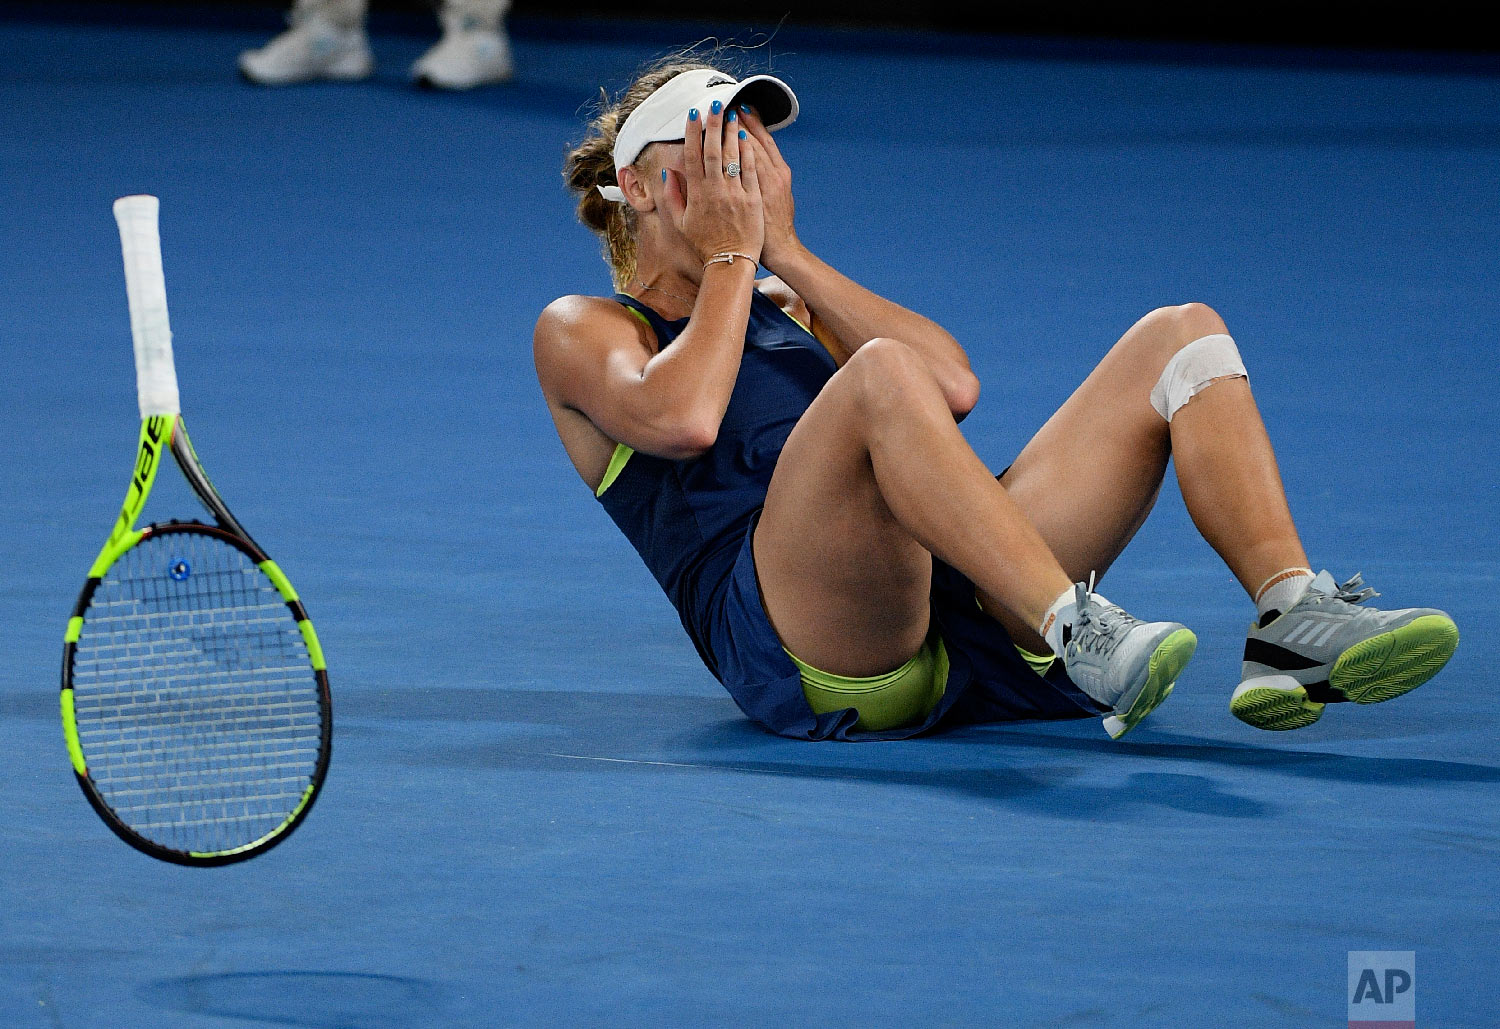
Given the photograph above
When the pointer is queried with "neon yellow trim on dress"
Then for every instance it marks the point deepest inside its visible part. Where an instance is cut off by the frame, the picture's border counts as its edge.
(890, 700)
(70, 733)
(622, 453)
(808, 329)
(617, 463)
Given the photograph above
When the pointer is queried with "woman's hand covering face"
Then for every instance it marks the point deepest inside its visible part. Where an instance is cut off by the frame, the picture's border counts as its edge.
(716, 212)
(775, 178)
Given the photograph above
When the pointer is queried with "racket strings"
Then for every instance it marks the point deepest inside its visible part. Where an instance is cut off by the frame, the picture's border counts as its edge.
(198, 711)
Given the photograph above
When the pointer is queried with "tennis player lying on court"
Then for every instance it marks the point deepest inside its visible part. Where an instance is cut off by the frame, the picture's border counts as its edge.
(785, 456)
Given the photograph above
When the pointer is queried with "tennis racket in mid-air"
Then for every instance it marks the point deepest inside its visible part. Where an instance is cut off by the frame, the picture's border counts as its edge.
(195, 700)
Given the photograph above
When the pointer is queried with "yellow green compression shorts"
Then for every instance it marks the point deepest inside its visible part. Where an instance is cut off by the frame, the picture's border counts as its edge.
(897, 698)
(888, 701)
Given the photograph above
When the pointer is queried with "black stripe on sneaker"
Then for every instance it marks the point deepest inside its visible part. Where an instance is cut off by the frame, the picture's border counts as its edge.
(1279, 658)
(1322, 693)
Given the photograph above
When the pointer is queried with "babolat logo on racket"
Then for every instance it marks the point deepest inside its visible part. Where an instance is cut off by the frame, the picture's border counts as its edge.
(153, 431)
(150, 447)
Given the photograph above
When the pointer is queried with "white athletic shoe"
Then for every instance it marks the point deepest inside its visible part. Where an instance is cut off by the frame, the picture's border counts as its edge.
(313, 48)
(1128, 665)
(1327, 649)
(474, 51)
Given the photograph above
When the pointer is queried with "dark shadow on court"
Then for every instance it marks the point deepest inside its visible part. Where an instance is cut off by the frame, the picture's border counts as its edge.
(627, 730)
(1045, 768)
(1083, 737)
(1047, 789)
(1309, 763)
(326, 1000)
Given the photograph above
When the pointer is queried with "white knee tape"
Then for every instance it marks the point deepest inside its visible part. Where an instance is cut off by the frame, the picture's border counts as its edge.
(1194, 368)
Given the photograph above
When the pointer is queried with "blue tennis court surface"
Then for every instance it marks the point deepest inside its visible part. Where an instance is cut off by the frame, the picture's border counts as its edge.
(542, 810)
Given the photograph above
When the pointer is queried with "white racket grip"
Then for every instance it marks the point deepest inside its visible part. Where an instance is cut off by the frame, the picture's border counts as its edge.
(146, 288)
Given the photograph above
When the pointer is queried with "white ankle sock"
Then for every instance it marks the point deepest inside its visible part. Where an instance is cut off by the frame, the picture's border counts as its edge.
(1281, 591)
(1064, 611)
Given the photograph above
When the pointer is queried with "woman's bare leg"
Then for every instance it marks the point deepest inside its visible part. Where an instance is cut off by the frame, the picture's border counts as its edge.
(874, 480)
(1090, 476)
(1232, 487)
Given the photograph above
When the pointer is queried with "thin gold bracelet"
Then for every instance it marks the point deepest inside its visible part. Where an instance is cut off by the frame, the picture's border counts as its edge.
(727, 257)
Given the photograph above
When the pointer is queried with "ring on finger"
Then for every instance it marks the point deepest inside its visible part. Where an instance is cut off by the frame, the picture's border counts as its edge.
(732, 169)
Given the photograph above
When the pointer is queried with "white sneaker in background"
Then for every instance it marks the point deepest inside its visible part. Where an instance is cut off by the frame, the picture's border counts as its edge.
(315, 47)
(474, 50)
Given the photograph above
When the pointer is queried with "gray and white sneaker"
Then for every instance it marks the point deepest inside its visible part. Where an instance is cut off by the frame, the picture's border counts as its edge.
(316, 46)
(1326, 650)
(1128, 665)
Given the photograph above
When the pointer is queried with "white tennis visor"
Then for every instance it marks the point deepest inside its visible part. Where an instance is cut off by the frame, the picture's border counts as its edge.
(660, 118)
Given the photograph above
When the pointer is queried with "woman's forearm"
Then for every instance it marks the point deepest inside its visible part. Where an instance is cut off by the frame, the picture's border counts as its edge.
(695, 376)
(855, 316)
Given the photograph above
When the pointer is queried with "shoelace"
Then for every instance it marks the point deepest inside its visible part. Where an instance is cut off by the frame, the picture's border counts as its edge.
(1353, 591)
(1096, 628)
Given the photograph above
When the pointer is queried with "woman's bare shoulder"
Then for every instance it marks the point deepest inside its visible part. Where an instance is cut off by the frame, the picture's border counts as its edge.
(583, 328)
(580, 316)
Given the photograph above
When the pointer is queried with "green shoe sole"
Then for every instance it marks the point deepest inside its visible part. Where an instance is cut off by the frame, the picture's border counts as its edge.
(1276, 710)
(1380, 668)
(1167, 663)
(1396, 662)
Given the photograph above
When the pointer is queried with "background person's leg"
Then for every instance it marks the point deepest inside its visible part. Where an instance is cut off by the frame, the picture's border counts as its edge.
(474, 49)
(326, 40)
(346, 14)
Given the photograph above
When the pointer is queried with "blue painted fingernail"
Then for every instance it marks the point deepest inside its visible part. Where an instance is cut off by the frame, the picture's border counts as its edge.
(693, 114)
(664, 175)
(718, 105)
(733, 115)
(742, 133)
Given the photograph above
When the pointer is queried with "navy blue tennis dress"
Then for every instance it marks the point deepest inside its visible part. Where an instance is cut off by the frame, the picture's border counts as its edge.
(692, 521)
